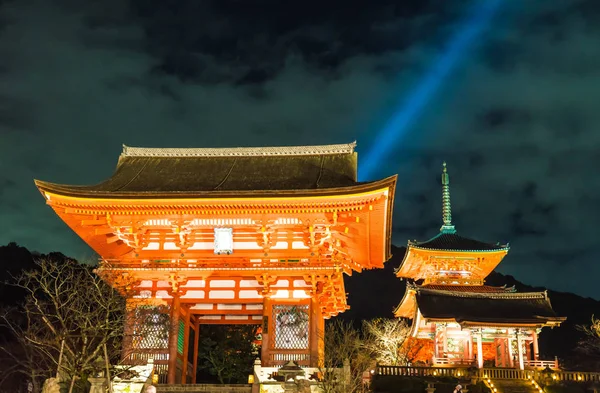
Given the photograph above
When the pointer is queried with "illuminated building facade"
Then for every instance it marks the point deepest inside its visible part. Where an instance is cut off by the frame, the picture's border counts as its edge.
(458, 319)
(230, 236)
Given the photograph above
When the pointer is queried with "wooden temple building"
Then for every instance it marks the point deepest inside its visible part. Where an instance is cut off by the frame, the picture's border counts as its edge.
(456, 317)
(231, 236)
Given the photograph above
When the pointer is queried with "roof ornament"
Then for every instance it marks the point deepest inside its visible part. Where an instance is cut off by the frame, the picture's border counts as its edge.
(446, 206)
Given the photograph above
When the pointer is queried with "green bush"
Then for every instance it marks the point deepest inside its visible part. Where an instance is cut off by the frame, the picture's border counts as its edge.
(566, 387)
(397, 384)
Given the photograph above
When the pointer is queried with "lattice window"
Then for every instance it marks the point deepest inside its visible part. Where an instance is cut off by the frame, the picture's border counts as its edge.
(150, 328)
(181, 337)
(456, 349)
(291, 326)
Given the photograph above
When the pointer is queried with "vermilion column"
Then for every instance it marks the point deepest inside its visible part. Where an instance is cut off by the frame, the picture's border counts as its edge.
(127, 346)
(173, 336)
(265, 347)
(510, 352)
(436, 352)
(536, 350)
(479, 349)
(520, 351)
(196, 344)
(315, 315)
(321, 336)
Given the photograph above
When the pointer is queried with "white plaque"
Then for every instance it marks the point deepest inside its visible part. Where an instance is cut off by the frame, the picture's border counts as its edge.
(223, 240)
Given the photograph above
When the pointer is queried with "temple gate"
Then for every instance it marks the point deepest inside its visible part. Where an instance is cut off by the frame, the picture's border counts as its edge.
(230, 236)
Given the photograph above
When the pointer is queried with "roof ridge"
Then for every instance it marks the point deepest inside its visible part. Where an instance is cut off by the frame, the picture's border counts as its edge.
(495, 295)
(493, 247)
(347, 148)
(430, 285)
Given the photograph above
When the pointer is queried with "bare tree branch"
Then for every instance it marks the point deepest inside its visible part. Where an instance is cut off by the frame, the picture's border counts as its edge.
(66, 306)
(389, 341)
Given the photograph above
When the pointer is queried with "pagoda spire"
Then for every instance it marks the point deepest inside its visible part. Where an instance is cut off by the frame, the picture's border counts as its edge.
(446, 206)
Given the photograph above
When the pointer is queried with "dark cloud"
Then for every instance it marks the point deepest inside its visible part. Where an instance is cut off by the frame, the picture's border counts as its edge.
(517, 121)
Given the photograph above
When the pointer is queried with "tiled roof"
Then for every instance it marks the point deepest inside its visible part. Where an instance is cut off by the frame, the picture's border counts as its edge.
(469, 288)
(147, 173)
(485, 307)
(454, 242)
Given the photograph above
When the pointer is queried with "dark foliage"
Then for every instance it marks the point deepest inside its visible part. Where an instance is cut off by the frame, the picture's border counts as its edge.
(399, 384)
(226, 353)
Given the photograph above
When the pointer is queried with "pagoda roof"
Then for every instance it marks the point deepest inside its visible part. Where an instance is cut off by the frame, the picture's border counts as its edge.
(217, 172)
(453, 242)
(480, 308)
(469, 288)
(407, 305)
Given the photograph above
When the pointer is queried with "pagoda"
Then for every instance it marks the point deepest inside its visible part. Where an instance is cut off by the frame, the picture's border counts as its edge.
(456, 317)
(230, 236)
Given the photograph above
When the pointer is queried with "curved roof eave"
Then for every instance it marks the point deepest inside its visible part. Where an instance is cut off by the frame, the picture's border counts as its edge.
(86, 193)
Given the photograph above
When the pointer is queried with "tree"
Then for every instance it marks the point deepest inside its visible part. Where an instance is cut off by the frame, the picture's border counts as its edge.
(589, 346)
(69, 319)
(345, 360)
(21, 364)
(227, 352)
(389, 341)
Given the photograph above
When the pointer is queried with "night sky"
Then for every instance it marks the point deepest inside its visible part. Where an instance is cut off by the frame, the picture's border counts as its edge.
(517, 119)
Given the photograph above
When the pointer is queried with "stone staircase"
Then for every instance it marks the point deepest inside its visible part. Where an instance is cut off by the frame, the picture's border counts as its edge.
(514, 386)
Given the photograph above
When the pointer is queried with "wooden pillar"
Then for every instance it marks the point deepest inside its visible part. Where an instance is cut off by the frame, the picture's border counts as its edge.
(470, 346)
(510, 352)
(536, 350)
(436, 352)
(129, 329)
(497, 353)
(520, 351)
(503, 352)
(196, 344)
(445, 342)
(316, 335)
(186, 342)
(321, 347)
(173, 336)
(266, 333)
(479, 349)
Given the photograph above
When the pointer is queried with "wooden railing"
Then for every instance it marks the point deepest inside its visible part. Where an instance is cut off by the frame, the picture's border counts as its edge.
(454, 361)
(421, 371)
(542, 363)
(576, 376)
(142, 357)
(488, 373)
(280, 358)
(503, 373)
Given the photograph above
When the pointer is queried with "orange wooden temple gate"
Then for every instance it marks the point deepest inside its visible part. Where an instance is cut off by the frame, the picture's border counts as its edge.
(230, 236)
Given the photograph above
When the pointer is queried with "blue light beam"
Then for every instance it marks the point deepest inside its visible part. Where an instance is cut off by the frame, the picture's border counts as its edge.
(481, 15)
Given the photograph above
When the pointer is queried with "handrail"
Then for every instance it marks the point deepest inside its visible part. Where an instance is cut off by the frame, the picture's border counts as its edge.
(487, 373)
(454, 361)
(411, 371)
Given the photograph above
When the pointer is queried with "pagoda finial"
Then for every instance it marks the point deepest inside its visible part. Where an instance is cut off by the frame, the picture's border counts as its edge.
(446, 206)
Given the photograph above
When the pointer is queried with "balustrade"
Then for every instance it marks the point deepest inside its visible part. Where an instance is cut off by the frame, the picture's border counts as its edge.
(280, 358)
(490, 373)
(409, 371)
(541, 363)
(454, 361)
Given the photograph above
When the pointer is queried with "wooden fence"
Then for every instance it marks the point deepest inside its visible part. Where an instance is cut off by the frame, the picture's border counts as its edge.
(485, 373)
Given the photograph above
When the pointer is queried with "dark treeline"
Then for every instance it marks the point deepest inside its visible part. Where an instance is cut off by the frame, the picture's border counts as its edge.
(372, 294)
